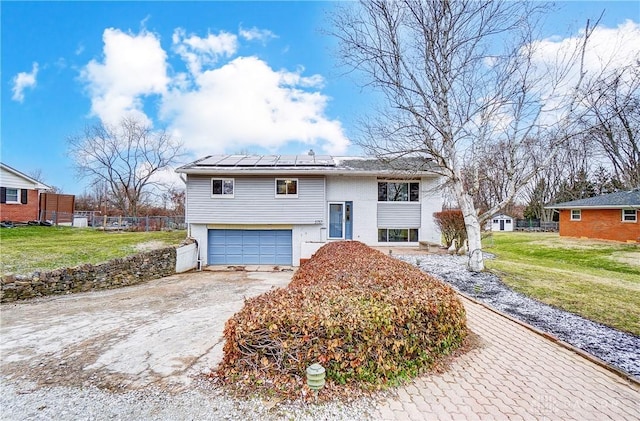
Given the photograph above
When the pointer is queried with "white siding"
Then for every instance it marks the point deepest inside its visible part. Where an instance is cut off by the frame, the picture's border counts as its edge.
(399, 215)
(12, 181)
(254, 202)
(363, 192)
(431, 201)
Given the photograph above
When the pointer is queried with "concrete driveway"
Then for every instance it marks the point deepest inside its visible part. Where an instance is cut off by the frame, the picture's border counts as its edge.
(161, 333)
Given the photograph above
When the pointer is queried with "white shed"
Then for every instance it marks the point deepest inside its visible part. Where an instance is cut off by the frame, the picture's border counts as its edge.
(502, 222)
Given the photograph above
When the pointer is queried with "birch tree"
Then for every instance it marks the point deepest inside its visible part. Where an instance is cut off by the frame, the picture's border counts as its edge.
(459, 78)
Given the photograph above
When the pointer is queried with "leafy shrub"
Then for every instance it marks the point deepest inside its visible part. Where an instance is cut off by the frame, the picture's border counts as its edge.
(451, 224)
(369, 319)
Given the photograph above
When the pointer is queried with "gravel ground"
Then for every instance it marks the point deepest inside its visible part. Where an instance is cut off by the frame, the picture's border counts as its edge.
(619, 349)
(25, 401)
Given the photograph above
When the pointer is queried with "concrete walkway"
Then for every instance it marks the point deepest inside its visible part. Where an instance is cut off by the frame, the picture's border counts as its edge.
(515, 374)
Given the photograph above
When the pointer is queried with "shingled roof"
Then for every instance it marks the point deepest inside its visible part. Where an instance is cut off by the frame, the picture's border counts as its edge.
(618, 200)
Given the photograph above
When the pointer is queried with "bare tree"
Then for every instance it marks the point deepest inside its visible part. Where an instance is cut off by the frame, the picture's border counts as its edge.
(123, 158)
(460, 78)
(613, 120)
(176, 199)
(38, 175)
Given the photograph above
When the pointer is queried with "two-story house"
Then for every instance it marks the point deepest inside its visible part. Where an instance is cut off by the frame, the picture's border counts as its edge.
(277, 209)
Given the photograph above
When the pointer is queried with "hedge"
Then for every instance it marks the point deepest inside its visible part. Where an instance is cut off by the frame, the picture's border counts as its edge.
(370, 320)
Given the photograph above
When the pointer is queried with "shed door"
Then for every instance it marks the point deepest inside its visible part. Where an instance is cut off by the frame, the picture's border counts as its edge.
(250, 247)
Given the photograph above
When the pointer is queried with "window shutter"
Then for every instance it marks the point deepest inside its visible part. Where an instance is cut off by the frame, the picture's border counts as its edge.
(23, 196)
(3, 195)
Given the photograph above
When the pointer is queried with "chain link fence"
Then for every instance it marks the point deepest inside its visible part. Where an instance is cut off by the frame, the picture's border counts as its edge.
(143, 223)
(536, 225)
(84, 219)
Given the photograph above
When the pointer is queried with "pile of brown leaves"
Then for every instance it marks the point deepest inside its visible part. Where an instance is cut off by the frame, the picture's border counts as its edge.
(370, 320)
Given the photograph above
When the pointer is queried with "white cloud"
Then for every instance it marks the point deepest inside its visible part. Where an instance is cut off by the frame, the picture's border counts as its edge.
(608, 49)
(255, 34)
(197, 51)
(22, 81)
(246, 103)
(214, 107)
(557, 62)
(133, 66)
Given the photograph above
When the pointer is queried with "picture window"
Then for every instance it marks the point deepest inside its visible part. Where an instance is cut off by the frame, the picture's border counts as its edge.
(397, 235)
(398, 191)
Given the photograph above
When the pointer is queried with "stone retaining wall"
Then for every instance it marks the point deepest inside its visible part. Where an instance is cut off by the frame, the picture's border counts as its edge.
(115, 273)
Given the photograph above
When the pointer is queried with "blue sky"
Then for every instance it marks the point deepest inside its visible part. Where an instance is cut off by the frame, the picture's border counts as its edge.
(224, 77)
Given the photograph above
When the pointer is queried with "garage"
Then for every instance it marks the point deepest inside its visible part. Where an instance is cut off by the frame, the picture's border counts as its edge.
(249, 247)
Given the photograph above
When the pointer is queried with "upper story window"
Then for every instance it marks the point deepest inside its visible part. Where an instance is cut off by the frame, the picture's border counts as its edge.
(222, 187)
(629, 215)
(286, 187)
(398, 191)
(12, 196)
(576, 214)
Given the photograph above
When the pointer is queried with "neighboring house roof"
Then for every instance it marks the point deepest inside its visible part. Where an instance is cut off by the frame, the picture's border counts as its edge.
(501, 216)
(36, 184)
(618, 200)
(306, 164)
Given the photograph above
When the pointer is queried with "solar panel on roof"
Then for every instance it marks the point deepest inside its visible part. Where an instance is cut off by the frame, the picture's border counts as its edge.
(230, 161)
(267, 161)
(212, 160)
(286, 160)
(249, 161)
(305, 160)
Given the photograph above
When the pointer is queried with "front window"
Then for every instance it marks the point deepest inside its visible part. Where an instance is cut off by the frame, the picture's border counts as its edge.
(629, 215)
(222, 187)
(398, 191)
(286, 187)
(397, 235)
(12, 196)
(576, 214)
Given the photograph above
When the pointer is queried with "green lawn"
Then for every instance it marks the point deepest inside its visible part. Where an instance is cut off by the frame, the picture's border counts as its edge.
(26, 249)
(599, 280)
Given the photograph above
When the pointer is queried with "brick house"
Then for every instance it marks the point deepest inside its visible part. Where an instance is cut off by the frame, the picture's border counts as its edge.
(611, 216)
(19, 195)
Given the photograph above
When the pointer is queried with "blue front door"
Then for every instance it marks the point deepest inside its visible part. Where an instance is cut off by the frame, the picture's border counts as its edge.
(249, 247)
(348, 220)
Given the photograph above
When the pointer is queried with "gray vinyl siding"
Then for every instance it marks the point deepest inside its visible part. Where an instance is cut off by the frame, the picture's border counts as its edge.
(254, 202)
(398, 215)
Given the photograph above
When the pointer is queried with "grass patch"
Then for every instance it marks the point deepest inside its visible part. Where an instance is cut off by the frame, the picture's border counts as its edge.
(599, 280)
(27, 249)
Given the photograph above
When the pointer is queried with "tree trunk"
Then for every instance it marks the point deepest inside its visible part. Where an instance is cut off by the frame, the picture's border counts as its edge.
(472, 224)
